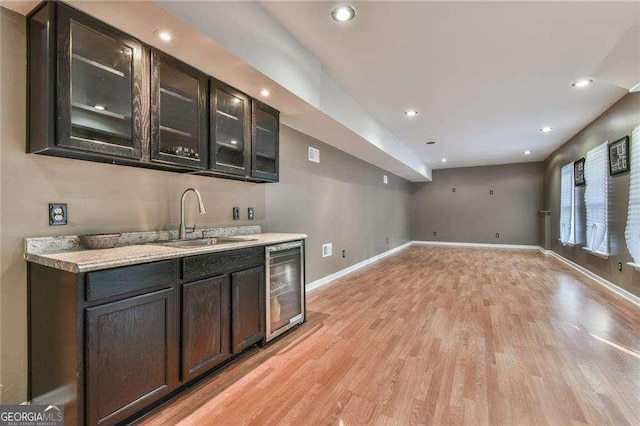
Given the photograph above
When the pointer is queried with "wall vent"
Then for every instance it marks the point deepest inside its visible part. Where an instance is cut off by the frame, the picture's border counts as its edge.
(327, 250)
(314, 154)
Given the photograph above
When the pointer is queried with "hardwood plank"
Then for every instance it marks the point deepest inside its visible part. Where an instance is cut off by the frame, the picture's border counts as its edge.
(439, 336)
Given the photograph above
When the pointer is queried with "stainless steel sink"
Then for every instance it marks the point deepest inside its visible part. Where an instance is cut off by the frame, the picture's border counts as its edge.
(204, 242)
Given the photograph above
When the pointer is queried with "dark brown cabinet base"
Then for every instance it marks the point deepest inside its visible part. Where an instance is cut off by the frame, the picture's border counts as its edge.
(109, 344)
(131, 350)
(247, 306)
(205, 325)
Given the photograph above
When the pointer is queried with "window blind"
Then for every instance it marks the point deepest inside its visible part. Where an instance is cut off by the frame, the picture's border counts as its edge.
(596, 197)
(567, 205)
(632, 232)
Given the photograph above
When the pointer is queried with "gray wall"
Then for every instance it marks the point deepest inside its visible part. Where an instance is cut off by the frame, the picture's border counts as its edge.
(471, 214)
(342, 200)
(617, 121)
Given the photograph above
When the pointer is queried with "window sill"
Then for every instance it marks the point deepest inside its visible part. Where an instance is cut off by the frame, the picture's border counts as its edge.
(634, 265)
(596, 253)
(566, 244)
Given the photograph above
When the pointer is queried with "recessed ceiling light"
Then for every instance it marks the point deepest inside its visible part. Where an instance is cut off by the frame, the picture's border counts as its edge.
(527, 152)
(99, 107)
(444, 160)
(431, 142)
(343, 13)
(264, 92)
(164, 35)
(582, 83)
(411, 113)
(546, 129)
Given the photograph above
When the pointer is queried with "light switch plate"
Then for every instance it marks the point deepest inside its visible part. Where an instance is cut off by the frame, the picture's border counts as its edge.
(385, 179)
(327, 250)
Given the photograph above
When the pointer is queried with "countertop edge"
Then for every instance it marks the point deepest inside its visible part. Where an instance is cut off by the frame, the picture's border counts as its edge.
(51, 261)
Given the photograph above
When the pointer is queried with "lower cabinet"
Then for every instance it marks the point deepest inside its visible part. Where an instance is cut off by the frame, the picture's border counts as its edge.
(115, 341)
(131, 352)
(247, 308)
(205, 325)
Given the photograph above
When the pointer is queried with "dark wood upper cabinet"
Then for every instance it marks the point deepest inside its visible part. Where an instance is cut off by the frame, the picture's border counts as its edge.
(205, 325)
(131, 354)
(88, 87)
(230, 121)
(265, 131)
(178, 113)
(96, 93)
(247, 308)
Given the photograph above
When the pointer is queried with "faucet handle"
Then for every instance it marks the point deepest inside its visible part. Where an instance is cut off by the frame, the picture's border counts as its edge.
(190, 229)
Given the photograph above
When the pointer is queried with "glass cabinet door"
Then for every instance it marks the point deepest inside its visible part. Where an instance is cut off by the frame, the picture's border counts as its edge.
(230, 137)
(265, 132)
(285, 302)
(101, 89)
(178, 112)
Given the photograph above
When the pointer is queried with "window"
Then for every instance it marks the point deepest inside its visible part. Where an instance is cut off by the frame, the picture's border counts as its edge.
(596, 175)
(632, 233)
(567, 206)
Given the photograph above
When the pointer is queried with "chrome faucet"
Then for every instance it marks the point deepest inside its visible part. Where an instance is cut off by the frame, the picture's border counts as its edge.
(184, 230)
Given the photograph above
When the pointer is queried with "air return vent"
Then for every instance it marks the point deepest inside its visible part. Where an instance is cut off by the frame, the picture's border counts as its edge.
(314, 154)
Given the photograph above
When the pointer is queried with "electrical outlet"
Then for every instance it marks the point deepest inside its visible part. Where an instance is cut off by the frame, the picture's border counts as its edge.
(497, 235)
(435, 234)
(236, 213)
(327, 250)
(619, 266)
(453, 190)
(387, 240)
(344, 253)
(491, 192)
(251, 214)
(57, 214)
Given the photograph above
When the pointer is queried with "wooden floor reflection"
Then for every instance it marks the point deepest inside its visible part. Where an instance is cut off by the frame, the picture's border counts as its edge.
(439, 336)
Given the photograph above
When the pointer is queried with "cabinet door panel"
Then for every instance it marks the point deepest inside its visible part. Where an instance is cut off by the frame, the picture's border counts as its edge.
(205, 325)
(265, 125)
(230, 130)
(131, 355)
(178, 113)
(247, 308)
(101, 88)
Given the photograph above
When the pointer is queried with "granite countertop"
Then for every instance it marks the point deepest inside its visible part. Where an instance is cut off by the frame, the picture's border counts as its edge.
(63, 253)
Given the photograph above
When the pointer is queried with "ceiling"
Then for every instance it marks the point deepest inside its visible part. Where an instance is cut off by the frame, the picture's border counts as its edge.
(485, 77)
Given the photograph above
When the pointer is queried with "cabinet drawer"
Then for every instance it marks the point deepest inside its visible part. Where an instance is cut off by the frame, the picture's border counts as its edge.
(207, 265)
(114, 282)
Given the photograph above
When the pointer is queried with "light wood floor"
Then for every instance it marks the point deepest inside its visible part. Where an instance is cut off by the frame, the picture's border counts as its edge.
(439, 336)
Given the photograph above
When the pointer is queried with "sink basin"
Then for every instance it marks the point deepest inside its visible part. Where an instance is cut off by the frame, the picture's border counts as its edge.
(204, 242)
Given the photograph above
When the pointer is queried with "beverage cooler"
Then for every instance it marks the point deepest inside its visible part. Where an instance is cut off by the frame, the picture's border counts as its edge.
(285, 287)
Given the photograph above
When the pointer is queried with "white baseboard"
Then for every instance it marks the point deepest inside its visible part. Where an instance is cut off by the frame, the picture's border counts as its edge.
(325, 280)
(597, 278)
(475, 245)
